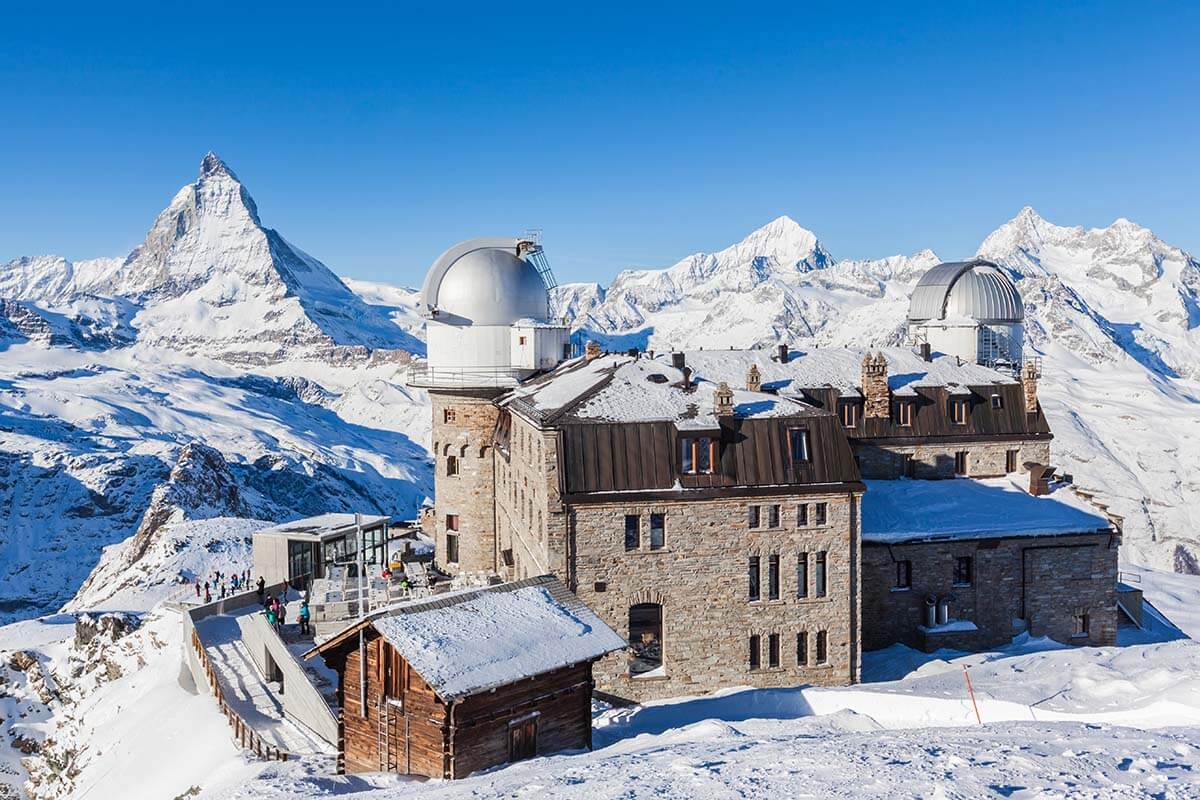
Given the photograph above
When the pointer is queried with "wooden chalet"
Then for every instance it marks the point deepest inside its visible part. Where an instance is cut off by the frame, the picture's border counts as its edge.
(468, 680)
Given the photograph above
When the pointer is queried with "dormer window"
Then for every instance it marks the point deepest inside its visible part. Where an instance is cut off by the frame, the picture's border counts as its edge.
(959, 410)
(997, 402)
(698, 455)
(848, 411)
(798, 443)
(904, 413)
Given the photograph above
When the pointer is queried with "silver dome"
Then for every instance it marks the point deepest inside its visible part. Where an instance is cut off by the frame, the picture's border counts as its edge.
(484, 282)
(975, 289)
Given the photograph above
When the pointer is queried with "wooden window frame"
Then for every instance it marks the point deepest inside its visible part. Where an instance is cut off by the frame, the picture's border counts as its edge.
(848, 413)
(903, 574)
(1012, 460)
(772, 651)
(821, 574)
(662, 531)
(960, 410)
(449, 415)
(820, 514)
(689, 454)
(802, 576)
(904, 413)
(802, 649)
(822, 647)
(755, 652)
(754, 579)
(753, 517)
(964, 571)
(802, 515)
(773, 576)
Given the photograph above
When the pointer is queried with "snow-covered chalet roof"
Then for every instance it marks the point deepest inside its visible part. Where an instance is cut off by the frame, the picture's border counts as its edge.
(470, 641)
(965, 508)
(322, 526)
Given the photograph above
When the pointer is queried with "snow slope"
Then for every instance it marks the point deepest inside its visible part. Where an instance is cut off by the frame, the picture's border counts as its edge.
(1114, 313)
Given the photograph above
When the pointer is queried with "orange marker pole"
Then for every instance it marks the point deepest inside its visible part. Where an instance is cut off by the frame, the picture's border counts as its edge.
(971, 692)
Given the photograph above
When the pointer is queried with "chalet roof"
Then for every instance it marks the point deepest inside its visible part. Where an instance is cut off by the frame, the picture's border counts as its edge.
(470, 641)
(322, 526)
(965, 508)
(625, 388)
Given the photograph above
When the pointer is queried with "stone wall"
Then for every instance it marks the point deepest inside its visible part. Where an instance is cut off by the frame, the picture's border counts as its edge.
(467, 436)
(530, 521)
(1036, 582)
(700, 578)
(880, 460)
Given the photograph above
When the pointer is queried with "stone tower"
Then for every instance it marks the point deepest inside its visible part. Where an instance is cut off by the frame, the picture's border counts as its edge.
(875, 386)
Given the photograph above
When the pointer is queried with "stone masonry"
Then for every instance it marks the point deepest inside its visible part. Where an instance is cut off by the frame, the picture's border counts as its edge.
(885, 461)
(1029, 379)
(878, 398)
(530, 520)
(1039, 582)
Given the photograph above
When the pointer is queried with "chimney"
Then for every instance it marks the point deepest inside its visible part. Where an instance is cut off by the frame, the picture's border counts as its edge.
(591, 350)
(926, 352)
(632, 352)
(1029, 378)
(723, 400)
(678, 360)
(753, 379)
(875, 386)
(687, 377)
(782, 350)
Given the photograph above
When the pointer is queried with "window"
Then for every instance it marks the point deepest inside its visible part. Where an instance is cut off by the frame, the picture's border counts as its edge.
(821, 513)
(773, 576)
(754, 579)
(755, 657)
(802, 515)
(451, 465)
(1081, 622)
(958, 411)
(451, 548)
(997, 402)
(773, 651)
(848, 410)
(904, 413)
(798, 442)
(960, 462)
(658, 531)
(698, 455)
(752, 516)
(772, 516)
(962, 571)
(452, 522)
(802, 649)
(448, 415)
(819, 575)
(802, 575)
(645, 638)
(633, 531)
(903, 574)
(1010, 460)
(822, 647)
(521, 341)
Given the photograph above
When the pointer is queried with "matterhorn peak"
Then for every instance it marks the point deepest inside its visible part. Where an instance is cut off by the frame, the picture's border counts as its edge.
(212, 165)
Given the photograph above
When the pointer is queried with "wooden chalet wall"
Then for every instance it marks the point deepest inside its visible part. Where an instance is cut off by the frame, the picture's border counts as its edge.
(607, 457)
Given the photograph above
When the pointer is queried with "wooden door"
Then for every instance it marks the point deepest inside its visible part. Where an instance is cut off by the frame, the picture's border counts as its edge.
(522, 739)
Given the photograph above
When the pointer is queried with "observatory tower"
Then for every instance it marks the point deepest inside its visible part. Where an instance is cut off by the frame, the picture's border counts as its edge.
(972, 310)
(488, 327)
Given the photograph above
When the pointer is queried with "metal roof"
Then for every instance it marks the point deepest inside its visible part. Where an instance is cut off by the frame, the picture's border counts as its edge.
(485, 281)
(322, 526)
(975, 289)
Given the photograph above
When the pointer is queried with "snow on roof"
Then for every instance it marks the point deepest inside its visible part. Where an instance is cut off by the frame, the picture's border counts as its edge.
(471, 641)
(322, 525)
(965, 508)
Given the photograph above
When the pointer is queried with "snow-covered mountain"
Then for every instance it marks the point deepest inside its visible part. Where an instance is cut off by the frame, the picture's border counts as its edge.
(217, 370)
(1115, 312)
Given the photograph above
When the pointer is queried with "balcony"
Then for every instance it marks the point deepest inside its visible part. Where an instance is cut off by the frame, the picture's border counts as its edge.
(424, 376)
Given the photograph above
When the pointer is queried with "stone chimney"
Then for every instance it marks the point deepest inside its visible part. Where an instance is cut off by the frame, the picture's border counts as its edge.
(875, 386)
(782, 352)
(753, 379)
(723, 400)
(591, 350)
(1029, 379)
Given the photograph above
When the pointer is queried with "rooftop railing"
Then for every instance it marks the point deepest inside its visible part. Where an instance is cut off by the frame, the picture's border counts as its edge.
(424, 375)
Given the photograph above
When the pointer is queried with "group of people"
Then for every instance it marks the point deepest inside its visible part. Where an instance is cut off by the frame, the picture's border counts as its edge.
(276, 612)
(223, 583)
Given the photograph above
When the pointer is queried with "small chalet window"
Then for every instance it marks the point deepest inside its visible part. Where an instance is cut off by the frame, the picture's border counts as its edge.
(698, 455)
(802, 575)
(1010, 460)
(645, 638)
(960, 462)
(773, 651)
(959, 410)
(904, 413)
(802, 649)
(963, 569)
(773, 516)
(820, 513)
(819, 587)
(753, 516)
(1081, 622)
(633, 531)
(658, 531)
(903, 574)
(452, 522)
(452, 548)
(848, 410)
(755, 655)
(506, 557)
(448, 415)
(754, 590)
(773, 576)
(997, 402)
(451, 465)
(802, 515)
(822, 647)
(799, 444)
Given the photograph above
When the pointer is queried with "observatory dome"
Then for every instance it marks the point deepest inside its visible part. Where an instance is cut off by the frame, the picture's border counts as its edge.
(482, 284)
(977, 290)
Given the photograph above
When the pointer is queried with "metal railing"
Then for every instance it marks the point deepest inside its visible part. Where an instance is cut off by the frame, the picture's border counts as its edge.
(423, 375)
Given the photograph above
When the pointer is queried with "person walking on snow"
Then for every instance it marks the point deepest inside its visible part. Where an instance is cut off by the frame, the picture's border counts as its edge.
(207, 594)
(197, 587)
(304, 618)
(262, 587)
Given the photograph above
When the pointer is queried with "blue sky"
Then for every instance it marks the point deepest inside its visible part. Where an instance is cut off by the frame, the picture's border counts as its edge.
(374, 137)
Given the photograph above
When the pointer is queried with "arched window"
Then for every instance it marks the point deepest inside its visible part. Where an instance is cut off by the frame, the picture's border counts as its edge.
(645, 639)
